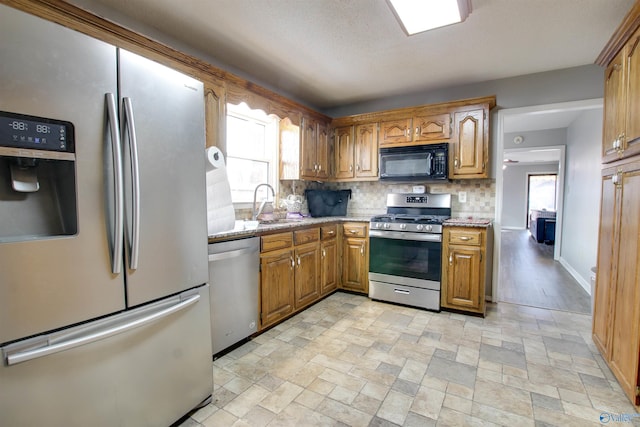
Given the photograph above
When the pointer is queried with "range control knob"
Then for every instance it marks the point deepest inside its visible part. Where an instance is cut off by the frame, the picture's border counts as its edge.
(419, 227)
(378, 225)
(403, 226)
(429, 227)
(387, 225)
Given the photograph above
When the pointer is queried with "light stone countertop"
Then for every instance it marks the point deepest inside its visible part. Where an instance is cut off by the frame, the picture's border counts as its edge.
(469, 222)
(242, 230)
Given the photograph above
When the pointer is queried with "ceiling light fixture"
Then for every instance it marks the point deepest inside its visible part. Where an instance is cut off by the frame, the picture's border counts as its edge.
(417, 16)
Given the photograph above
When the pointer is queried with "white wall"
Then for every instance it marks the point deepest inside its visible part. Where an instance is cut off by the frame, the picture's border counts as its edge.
(582, 194)
(514, 190)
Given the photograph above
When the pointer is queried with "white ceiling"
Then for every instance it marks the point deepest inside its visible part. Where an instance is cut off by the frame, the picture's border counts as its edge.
(328, 53)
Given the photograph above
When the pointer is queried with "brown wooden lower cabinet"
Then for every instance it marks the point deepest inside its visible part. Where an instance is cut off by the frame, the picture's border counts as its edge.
(276, 286)
(466, 268)
(616, 312)
(355, 258)
(328, 259)
(297, 268)
(307, 274)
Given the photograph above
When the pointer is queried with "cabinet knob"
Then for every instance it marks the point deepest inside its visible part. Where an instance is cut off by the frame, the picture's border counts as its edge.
(455, 163)
(298, 261)
(293, 263)
(324, 253)
(358, 167)
(350, 168)
(417, 131)
(319, 167)
(464, 238)
(451, 259)
(362, 250)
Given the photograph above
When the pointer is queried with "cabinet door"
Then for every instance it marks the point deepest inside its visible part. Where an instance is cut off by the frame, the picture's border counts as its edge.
(625, 337)
(607, 252)
(470, 149)
(432, 128)
(309, 165)
(344, 148)
(276, 286)
(631, 143)
(366, 152)
(464, 278)
(613, 108)
(395, 132)
(322, 152)
(354, 267)
(329, 266)
(307, 275)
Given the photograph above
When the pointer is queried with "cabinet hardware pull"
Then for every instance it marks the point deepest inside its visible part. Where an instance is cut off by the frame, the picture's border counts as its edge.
(417, 130)
(464, 238)
(319, 168)
(350, 168)
(362, 250)
(451, 259)
(353, 231)
(324, 253)
(293, 263)
(331, 232)
(358, 167)
(298, 260)
(455, 163)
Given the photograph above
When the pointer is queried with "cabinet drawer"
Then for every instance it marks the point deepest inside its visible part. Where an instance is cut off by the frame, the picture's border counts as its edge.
(465, 237)
(328, 231)
(354, 230)
(276, 241)
(306, 236)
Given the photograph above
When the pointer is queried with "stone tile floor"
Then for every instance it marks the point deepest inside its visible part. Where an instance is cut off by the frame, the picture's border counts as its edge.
(350, 361)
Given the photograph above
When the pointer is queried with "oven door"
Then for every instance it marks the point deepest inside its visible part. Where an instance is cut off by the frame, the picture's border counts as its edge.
(405, 254)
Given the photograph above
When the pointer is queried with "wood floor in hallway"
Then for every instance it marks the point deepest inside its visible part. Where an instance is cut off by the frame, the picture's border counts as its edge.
(530, 276)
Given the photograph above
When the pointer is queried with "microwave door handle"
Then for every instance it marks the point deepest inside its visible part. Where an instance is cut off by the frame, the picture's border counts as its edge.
(430, 161)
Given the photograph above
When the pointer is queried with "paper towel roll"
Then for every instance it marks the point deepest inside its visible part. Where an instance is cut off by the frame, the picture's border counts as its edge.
(215, 159)
(220, 213)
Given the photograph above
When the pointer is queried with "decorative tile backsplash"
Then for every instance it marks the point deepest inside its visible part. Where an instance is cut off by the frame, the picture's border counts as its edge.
(369, 198)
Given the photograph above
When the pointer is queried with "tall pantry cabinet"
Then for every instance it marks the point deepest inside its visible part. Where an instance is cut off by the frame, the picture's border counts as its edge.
(616, 311)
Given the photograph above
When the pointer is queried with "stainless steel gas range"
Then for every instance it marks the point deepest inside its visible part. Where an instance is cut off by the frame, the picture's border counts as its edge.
(406, 249)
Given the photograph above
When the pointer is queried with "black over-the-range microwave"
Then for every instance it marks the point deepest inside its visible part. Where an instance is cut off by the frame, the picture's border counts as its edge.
(415, 163)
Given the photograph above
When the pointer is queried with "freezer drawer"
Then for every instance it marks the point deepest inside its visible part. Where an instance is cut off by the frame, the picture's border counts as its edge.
(145, 367)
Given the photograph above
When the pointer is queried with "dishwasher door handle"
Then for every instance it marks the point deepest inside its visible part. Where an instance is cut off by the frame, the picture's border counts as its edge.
(231, 254)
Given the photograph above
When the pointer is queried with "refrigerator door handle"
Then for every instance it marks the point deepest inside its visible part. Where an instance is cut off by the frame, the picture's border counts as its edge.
(77, 338)
(118, 190)
(135, 181)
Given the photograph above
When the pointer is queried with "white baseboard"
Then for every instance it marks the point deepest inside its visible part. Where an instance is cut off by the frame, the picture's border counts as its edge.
(586, 285)
(512, 228)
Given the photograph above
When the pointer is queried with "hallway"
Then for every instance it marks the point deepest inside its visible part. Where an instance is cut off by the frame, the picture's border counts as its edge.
(530, 276)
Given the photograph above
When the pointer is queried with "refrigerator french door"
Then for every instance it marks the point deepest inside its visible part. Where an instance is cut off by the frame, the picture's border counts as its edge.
(104, 316)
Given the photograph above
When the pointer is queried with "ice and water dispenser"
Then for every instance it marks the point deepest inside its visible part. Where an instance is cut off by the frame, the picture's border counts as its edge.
(37, 178)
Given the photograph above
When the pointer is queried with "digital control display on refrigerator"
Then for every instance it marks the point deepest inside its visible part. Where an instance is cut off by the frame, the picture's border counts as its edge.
(30, 132)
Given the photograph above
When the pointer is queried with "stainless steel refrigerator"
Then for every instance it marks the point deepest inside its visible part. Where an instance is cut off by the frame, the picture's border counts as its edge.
(104, 306)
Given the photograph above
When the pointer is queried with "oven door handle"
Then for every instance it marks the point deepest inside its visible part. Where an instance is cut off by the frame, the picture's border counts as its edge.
(403, 235)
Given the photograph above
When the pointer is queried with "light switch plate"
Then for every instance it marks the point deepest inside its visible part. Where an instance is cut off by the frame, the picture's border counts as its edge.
(462, 196)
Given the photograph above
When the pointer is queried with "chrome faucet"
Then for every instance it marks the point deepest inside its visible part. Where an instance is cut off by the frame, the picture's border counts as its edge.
(257, 213)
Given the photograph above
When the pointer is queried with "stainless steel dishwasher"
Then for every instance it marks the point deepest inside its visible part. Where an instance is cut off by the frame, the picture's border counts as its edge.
(234, 273)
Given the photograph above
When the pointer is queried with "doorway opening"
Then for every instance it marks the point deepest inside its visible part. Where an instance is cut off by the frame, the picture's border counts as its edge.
(541, 193)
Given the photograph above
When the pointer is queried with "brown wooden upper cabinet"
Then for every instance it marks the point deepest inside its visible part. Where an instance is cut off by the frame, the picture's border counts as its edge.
(314, 150)
(469, 149)
(416, 130)
(356, 152)
(621, 136)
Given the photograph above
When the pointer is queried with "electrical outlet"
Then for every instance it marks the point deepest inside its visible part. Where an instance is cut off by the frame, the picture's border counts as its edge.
(462, 196)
